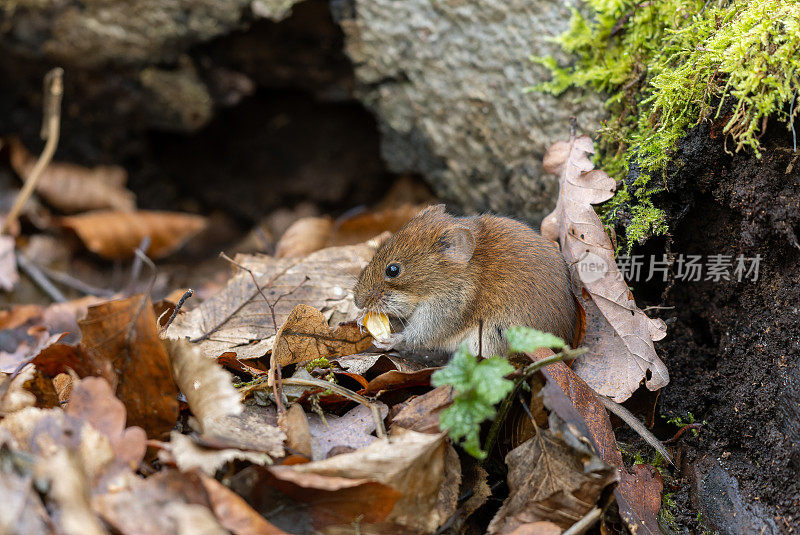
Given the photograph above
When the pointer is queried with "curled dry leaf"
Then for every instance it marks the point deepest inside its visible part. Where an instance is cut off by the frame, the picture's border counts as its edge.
(9, 276)
(305, 336)
(418, 466)
(116, 235)
(238, 320)
(619, 335)
(73, 188)
(421, 413)
(123, 332)
(294, 423)
(208, 388)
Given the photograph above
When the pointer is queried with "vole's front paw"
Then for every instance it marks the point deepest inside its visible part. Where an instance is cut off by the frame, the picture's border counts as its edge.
(389, 342)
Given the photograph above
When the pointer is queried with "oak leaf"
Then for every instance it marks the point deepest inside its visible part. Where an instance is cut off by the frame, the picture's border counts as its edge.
(619, 335)
(116, 235)
(123, 332)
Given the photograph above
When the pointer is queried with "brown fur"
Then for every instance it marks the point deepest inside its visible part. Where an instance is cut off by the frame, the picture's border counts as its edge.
(513, 277)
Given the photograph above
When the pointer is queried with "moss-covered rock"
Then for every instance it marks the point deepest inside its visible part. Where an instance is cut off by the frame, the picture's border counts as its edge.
(669, 65)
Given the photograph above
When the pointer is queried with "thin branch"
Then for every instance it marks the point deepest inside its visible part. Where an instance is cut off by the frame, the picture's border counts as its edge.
(186, 295)
(380, 430)
(583, 525)
(53, 91)
(136, 267)
(40, 279)
(76, 284)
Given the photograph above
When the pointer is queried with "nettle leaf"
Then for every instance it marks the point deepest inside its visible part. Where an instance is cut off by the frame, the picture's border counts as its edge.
(477, 386)
(489, 379)
(458, 372)
(527, 340)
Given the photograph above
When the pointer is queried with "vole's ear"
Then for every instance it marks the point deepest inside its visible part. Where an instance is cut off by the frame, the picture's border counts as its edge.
(434, 208)
(458, 243)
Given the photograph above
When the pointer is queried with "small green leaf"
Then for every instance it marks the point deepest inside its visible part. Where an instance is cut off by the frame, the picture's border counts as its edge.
(490, 383)
(458, 373)
(463, 420)
(527, 340)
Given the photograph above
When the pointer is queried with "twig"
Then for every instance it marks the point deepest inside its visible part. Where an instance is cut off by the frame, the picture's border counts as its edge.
(143, 257)
(186, 295)
(274, 375)
(583, 525)
(136, 267)
(380, 430)
(40, 279)
(681, 431)
(53, 91)
(76, 284)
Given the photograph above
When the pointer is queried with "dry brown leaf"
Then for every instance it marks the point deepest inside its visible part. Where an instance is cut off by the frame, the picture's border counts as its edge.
(638, 493)
(414, 464)
(310, 234)
(29, 343)
(538, 528)
(619, 335)
(298, 435)
(421, 413)
(353, 430)
(639, 498)
(552, 477)
(317, 501)
(74, 188)
(123, 332)
(116, 235)
(305, 335)
(9, 276)
(208, 388)
(238, 320)
(18, 315)
(233, 512)
(304, 236)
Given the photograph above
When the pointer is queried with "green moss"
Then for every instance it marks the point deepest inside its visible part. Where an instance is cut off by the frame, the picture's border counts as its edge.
(667, 65)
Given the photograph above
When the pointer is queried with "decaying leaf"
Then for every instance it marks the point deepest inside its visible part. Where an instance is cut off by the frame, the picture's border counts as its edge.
(123, 332)
(422, 413)
(73, 188)
(620, 336)
(116, 235)
(305, 336)
(351, 430)
(639, 498)
(254, 429)
(208, 388)
(298, 434)
(414, 464)
(8, 264)
(238, 320)
(552, 477)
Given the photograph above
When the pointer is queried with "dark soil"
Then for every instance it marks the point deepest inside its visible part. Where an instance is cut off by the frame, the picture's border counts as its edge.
(733, 350)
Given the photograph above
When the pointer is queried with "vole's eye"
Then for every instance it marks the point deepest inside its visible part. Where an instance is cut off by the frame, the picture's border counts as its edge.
(392, 270)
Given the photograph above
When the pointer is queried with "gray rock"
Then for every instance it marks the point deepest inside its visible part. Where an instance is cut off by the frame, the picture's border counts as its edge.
(446, 80)
(90, 33)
